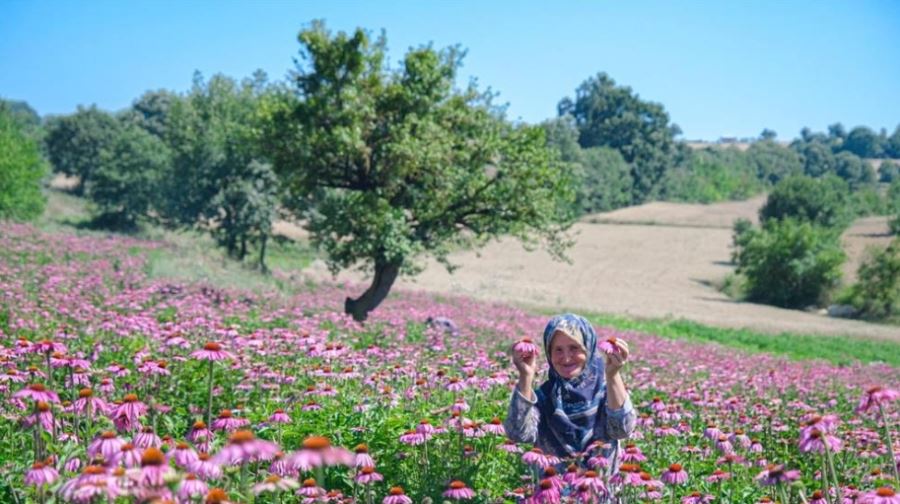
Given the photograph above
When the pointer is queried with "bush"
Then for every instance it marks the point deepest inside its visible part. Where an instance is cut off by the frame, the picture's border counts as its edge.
(790, 263)
(876, 294)
(125, 182)
(712, 175)
(823, 201)
(21, 171)
(606, 183)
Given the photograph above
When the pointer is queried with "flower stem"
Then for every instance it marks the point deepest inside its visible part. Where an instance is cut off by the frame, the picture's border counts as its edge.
(209, 397)
(890, 442)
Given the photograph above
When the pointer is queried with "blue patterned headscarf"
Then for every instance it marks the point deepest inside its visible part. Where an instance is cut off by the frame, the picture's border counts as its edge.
(569, 407)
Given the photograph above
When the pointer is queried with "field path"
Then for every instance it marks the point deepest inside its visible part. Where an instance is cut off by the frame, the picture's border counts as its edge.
(658, 270)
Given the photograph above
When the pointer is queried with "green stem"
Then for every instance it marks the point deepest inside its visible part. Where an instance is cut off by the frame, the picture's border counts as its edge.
(209, 397)
(890, 443)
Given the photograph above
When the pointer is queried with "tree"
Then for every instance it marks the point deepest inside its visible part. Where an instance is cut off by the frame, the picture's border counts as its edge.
(388, 164)
(151, 111)
(608, 115)
(855, 171)
(823, 202)
(606, 181)
(27, 120)
(892, 147)
(818, 159)
(74, 142)
(789, 263)
(876, 294)
(219, 180)
(21, 171)
(767, 134)
(773, 161)
(863, 142)
(889, 171)
(125, 183)
(837, 133)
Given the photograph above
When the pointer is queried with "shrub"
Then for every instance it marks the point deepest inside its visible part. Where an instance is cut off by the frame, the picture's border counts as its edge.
(21, 171)
(822, 201)
(876, 294)
(790, 263)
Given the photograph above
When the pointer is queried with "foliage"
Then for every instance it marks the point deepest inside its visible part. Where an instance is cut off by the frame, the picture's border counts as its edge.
(790, 263)
(74, 142)
(773, 161)
(606, 181)
(609, 115)
(888, 171)
(823, 201)
(712, 175)
(876, 294)
(855, 171)
(25, 118)
(218, 180)
(21, 171)
(388, 164)
(125, 183)
(151, 112)
(863, 142)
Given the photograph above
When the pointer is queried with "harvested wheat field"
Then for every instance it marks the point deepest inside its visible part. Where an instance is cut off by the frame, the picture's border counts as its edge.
(664, 269)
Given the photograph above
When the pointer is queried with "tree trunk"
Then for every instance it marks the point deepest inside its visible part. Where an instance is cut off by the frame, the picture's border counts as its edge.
(359, 308)
(262, 253)
(243, 252)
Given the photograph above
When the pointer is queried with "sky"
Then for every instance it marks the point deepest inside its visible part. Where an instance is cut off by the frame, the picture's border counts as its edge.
(719, 68)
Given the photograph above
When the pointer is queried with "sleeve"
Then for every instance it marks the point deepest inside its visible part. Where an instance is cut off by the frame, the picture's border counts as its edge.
(521, 423)
(620, 422)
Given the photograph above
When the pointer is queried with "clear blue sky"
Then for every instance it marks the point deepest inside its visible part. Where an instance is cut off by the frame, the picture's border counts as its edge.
(720, 68)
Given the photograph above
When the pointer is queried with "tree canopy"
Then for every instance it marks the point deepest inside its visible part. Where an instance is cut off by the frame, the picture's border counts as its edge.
(387, 164)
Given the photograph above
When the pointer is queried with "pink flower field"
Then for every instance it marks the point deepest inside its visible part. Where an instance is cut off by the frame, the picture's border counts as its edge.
(119, 388)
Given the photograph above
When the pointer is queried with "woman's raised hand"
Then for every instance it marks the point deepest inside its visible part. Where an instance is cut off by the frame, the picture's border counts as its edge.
(525, 362)
(616, 359)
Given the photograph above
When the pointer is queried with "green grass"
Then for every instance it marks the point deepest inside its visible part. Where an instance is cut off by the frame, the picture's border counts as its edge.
(840, 350)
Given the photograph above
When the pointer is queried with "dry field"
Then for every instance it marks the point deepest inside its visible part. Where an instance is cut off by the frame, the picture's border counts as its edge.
(657, 260)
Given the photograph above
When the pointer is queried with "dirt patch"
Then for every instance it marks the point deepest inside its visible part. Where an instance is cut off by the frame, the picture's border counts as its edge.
(654, 271)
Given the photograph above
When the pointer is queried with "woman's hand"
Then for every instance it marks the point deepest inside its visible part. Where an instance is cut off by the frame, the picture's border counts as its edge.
(526, 364)
(616, 360)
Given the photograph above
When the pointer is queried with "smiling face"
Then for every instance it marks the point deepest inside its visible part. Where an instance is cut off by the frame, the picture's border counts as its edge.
(567, 356)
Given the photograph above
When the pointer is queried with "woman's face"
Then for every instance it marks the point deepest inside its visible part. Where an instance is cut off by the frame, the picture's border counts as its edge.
(566, 355)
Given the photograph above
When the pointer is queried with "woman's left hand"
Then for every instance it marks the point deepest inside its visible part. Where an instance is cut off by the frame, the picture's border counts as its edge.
(615, 360)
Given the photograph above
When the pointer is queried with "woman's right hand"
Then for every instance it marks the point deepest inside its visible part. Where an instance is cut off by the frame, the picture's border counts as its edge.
(526, 364)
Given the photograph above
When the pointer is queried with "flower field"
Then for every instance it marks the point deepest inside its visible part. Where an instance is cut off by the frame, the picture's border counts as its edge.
(119, 388)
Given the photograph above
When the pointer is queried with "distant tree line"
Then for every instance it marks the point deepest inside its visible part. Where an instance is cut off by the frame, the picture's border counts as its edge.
(384, 165)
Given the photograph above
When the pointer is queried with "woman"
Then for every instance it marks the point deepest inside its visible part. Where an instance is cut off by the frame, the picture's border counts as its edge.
(584, 399)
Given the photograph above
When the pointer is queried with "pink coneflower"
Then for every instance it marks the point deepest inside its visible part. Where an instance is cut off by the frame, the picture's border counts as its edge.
(311, 406)
(883, 495)
(632, 454)
(147, 438)
(608, 346)
(184, 455)
(509, 446)
(107, 445)
(455, 384)
(817, 497)
(712, 432)
(875, 396)
(154, 468)
(537, 457)
(666, 430)
(629, 474)
(275, 483)
(227, 422)
(191, 487)
(37, 392)
(457, 490)
(41, 474)
(675, 475)
(367, 475)
(205, 468)
(244, 448)
(46, 347)
(199, 432)
(594, 483)
(547, 493)
(212, 351)
(554, 477)
(279, 417)
(696, 498)
(12, 376)
(526, 347)
(775, 474)
(718, 475)
(396, 496)
(495, 426)
(425, 427)
(361, 457)
(412, 437)
(87, 404)
(460, 406)
(819, 442)
(126, 416)
(723, 444)
(217, 496)
(310, 489)
(317, 451)
(42, 416)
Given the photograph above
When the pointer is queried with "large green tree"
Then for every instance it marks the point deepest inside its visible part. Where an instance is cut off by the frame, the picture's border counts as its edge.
(21, 170)
(388, 164)
(74, 142)
(609, 115)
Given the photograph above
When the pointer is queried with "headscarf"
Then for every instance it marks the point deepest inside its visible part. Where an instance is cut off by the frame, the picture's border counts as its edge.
(569, 407)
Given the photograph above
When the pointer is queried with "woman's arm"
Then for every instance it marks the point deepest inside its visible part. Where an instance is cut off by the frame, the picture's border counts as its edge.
(522, 419)
(620, 414)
